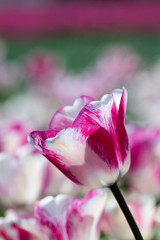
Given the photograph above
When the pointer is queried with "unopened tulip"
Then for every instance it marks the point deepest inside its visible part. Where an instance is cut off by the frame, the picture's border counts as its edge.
(88, 141)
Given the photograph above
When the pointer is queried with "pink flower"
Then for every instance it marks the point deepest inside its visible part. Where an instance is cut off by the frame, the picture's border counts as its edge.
(70, 218)
(12, 227)
(88, 141)
(13, 136)
(21, 177)
(142, 207)
(143, 142)
(145, 159)
(63, 217)
(41, 68)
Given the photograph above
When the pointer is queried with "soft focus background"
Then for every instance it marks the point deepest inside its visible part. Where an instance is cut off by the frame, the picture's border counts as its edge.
(54, 51)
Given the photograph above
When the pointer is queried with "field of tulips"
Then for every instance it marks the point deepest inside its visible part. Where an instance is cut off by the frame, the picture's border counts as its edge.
(79, 116)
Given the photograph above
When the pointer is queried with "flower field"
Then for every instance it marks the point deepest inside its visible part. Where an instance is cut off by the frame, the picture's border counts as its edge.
(79, 116)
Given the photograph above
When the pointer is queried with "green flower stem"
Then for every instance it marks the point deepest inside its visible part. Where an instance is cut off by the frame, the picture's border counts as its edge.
(120, 199)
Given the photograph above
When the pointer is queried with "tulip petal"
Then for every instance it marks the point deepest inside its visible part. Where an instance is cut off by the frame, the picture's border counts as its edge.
(82, 213)
(96, 112)
(120, 128)
(52, 213)
(109, 113)
(122, 143)
(37, 138)
(64, 117)
(87, 152)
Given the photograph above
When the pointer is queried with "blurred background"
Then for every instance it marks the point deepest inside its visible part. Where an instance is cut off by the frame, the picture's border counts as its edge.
(53, 43)
(51, 52)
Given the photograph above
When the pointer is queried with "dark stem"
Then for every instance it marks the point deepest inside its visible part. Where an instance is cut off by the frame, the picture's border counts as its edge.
(120, 199)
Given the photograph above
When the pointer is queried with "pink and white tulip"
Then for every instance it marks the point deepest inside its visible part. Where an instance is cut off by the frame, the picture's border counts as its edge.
(63, 217)
(143, 145)
(20, 164)
(27, 176)
(13, 136)
(88, 141)
(21, 177)
(10, 228)
(145, 159)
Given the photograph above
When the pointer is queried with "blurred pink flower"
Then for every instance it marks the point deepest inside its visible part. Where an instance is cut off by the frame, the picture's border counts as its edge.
(115, 67)
(143, 141)
(88, 141)
(40, 67)
(13, 136)
(20, 164)
(55, 182)
(30, 107)
(145, 95)
(21, 177)
(63, 217)
(143, 209)
(144, 174)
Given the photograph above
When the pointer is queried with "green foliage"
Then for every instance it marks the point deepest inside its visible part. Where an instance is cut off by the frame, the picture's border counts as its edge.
(103, 236)
(80, 50)
(1, 212)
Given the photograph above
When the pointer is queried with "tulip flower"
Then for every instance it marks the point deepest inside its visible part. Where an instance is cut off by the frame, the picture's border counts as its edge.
(63, 217)
(145, 159)
(21, 177)
(13, 136)
(88, 141)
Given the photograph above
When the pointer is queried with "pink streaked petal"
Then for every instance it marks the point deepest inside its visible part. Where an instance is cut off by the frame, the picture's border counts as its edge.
(53, 208)
(83, 217)
(64, 117)
(121, 139)
(51, 212)
(58, 158)
(121, 132)
(23, 234)
(4, 235)
(95, 112)
(16, 227)
(109, 113)
(120, 99)
(101, 142)
(37, 138)
(103, 112)
(81, 154)
(58, 161)
(118, 94)
(68, 138)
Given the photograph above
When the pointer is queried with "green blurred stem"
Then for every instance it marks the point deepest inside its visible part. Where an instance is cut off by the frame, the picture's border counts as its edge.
(120, 199)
